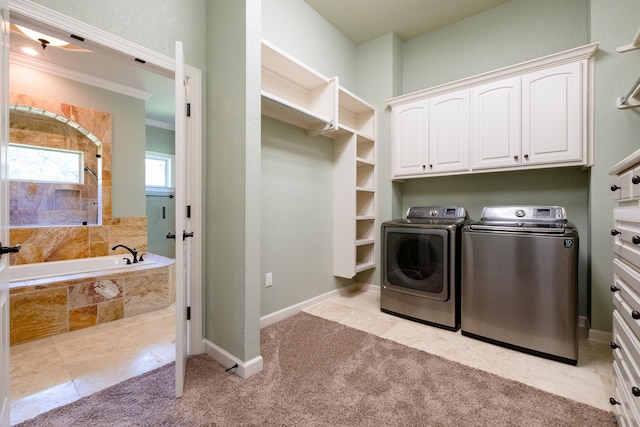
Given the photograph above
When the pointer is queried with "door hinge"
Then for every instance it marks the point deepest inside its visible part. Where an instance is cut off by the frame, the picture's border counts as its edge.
(188, 211)
(188, 313)
(188, 109)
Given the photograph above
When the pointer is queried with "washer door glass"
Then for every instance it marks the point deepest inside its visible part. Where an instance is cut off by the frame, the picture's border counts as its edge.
(417, 262)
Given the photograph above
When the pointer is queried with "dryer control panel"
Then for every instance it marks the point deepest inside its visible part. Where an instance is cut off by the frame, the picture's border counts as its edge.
(436, 212)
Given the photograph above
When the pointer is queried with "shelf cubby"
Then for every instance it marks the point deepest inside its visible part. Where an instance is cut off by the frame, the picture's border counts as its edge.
(296, 94)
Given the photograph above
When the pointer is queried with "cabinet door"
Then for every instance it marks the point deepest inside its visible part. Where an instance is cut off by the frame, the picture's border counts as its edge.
(449, 133)
(496, 125)
(553, 122)
(410, 126)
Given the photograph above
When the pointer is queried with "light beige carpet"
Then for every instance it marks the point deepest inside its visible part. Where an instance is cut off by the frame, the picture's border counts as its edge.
(321, 373)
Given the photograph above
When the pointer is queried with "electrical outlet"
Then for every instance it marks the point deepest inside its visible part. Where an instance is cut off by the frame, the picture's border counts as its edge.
(268, 279)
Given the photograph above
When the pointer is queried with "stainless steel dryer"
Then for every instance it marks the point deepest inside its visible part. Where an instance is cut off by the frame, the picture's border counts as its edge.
(520, 281)
(420, 265)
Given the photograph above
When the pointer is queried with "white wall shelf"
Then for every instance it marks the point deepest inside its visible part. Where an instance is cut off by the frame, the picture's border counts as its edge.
(296, 94)
(632, 98)
(635, 44)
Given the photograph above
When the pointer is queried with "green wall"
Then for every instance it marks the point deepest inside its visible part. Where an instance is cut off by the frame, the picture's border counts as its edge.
(617, 134)
(162, 141)
(297, 170)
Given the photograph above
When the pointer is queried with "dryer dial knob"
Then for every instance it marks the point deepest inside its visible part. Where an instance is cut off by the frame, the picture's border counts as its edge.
(520, 213)
(433, 212)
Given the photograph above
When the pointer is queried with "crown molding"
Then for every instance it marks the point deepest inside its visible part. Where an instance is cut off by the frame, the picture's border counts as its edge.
(77, 76)
(94, 38)
(160, 124)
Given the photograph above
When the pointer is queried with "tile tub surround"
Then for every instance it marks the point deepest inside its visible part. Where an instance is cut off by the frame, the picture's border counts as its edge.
(50, 306)
(97, 122)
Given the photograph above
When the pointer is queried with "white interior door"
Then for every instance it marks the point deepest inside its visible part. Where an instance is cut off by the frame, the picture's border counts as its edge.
(183, 252)
(4, 215)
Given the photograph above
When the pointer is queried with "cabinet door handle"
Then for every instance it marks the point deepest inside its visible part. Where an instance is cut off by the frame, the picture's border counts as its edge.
(636, 179)
(430, 166)
(615, 187)
(615, 232)
(614, 346)
(614, 288)
(635, 239)
(424, 167)
(635, 314)
(515, 157)
(635, 391)
(612, 401)
(526, 156)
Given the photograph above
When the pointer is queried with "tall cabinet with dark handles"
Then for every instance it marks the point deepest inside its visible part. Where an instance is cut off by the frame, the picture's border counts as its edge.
(625, 289)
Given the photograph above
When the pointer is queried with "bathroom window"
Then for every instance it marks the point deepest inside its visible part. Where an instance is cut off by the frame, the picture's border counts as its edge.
(50, 165)
(159, 172)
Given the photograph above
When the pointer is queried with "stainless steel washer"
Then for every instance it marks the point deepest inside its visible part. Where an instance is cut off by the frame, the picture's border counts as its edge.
(520, 281)
(420, 265)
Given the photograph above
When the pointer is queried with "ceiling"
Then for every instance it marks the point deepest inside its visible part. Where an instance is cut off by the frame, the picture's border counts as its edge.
(358, 20)
(364, 20)
(99, 68)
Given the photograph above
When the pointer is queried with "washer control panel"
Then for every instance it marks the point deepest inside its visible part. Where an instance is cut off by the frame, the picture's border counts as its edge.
(524, 213)
(436, 212)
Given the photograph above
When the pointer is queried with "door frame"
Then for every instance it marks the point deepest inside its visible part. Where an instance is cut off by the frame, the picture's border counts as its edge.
(104, 42)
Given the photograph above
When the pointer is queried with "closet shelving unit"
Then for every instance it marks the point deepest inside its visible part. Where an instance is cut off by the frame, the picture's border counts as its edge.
(632, 98)
(298, 95)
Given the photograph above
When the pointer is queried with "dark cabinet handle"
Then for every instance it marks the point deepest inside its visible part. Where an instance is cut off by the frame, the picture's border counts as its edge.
(635, 391)
(635, 314)
(614, 187)
(615, 232)
(614, 288)
(431, 166)
(635, 240)
(9, 249)
(612, 401)
(515, 157)
(614, 346)
(636, 179)
(526, 156)
(424, 167)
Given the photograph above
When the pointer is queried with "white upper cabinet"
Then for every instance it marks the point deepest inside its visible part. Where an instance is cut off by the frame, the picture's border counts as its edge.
(495, 125)
(530, 115)
(410, 133)
(553, 123)
(449, 133)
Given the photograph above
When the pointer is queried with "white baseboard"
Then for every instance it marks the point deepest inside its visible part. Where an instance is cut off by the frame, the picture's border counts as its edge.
(600, 336)
(244, 369)
(276, 316)
(253, 366)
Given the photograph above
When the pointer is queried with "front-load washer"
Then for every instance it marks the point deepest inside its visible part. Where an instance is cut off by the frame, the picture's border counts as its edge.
(421, 265)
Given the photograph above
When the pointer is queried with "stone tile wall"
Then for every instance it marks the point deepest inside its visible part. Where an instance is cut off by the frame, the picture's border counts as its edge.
(46, 307)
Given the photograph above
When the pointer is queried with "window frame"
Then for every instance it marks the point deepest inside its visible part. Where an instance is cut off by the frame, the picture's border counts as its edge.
(170, 174)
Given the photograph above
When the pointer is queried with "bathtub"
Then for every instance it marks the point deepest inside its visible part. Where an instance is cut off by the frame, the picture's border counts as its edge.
(42, 270)
(61, 296)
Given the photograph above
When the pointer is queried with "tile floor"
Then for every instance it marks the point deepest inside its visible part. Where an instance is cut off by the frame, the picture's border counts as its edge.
(58, 370)
(589, 382)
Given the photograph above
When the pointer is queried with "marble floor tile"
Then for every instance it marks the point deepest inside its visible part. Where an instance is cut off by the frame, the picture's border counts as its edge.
(58, 370)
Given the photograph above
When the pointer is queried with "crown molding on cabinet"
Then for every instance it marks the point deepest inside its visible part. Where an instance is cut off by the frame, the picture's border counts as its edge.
(571, 55)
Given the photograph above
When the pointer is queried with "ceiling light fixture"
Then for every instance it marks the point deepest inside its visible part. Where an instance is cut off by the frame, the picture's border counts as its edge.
(43, 39)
